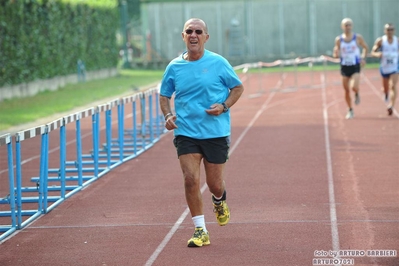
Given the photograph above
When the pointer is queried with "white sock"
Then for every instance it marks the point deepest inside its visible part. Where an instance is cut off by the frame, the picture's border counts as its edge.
(218, 199)
(199, 221)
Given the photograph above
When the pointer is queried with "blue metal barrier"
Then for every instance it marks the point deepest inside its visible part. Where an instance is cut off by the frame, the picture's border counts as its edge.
(32, 197)
(59, 177)
(9, 200)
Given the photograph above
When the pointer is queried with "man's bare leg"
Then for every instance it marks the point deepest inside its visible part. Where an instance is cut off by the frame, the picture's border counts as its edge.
(393, 92)
(355, 81)
(190, 165)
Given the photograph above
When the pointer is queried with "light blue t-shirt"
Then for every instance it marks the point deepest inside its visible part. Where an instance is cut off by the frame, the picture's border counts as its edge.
(197, 85)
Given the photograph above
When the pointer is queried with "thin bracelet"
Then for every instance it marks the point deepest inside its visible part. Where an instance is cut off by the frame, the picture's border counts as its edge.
(167, 115)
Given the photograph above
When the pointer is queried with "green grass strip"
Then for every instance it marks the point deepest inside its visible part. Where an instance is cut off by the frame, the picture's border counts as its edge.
(18, 111)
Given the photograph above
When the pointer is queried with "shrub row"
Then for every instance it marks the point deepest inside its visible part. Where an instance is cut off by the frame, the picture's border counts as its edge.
(42, 39)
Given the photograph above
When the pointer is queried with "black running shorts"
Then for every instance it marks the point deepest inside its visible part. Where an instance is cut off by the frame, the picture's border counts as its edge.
(215, 150)
(348, 71)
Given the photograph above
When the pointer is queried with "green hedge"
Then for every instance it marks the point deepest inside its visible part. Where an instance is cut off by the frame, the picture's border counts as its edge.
(41, 39)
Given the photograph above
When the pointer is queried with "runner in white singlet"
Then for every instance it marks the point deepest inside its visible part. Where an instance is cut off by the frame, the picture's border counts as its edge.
(389, 58)
(387, 48)
(347, 49)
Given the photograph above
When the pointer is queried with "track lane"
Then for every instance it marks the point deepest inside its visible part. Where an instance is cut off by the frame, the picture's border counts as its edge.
(277, 189)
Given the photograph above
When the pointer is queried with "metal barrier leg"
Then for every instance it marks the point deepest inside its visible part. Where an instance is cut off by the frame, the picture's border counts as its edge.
(151, 118)
(19, 181)
(134, 107)
(11, 183)
(43, 187)
(158, 115)
(95, 136)
(121, 128)
(9, 228)
(108, 134)
(79, 153)
(62, 158)
(143, 121)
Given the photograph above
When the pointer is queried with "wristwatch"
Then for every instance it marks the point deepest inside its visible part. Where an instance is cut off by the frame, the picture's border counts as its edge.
(225, 108)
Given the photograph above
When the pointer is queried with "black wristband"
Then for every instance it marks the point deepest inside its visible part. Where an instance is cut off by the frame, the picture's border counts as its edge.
(225, 108)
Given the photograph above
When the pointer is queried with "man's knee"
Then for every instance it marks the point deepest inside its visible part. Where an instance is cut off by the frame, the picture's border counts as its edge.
(216, 187)
(190, 182)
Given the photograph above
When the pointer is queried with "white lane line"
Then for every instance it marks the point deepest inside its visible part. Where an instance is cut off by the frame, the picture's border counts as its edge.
(172, 231)
(331, 194)
(260, 111)
(45, 227)
(165, 241)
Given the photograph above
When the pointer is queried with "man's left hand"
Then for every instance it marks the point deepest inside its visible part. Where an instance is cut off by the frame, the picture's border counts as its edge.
(216, 109)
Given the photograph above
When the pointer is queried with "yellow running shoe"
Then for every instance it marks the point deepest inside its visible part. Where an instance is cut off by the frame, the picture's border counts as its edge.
(222, 213)
(199, 239)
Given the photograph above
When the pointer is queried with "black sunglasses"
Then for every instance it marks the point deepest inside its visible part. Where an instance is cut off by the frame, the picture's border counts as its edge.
(390, 29)
(189, 31)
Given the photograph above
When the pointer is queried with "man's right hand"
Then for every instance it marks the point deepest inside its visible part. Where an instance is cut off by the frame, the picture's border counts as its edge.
(170, 122)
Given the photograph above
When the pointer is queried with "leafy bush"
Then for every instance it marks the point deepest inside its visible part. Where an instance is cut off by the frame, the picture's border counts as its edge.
(45, 38)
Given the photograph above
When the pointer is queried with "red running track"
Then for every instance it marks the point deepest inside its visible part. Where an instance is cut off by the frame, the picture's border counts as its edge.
(300, 179)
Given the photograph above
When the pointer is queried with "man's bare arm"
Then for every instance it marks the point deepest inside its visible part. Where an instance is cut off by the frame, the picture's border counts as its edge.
(235, 94)
(164, 103)
(364, 45)
(376, 47)
(336, 48)
(170, 118)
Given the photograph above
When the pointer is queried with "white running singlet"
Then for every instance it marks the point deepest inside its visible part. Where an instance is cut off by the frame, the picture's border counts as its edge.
(350, 52)
(389, 58)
